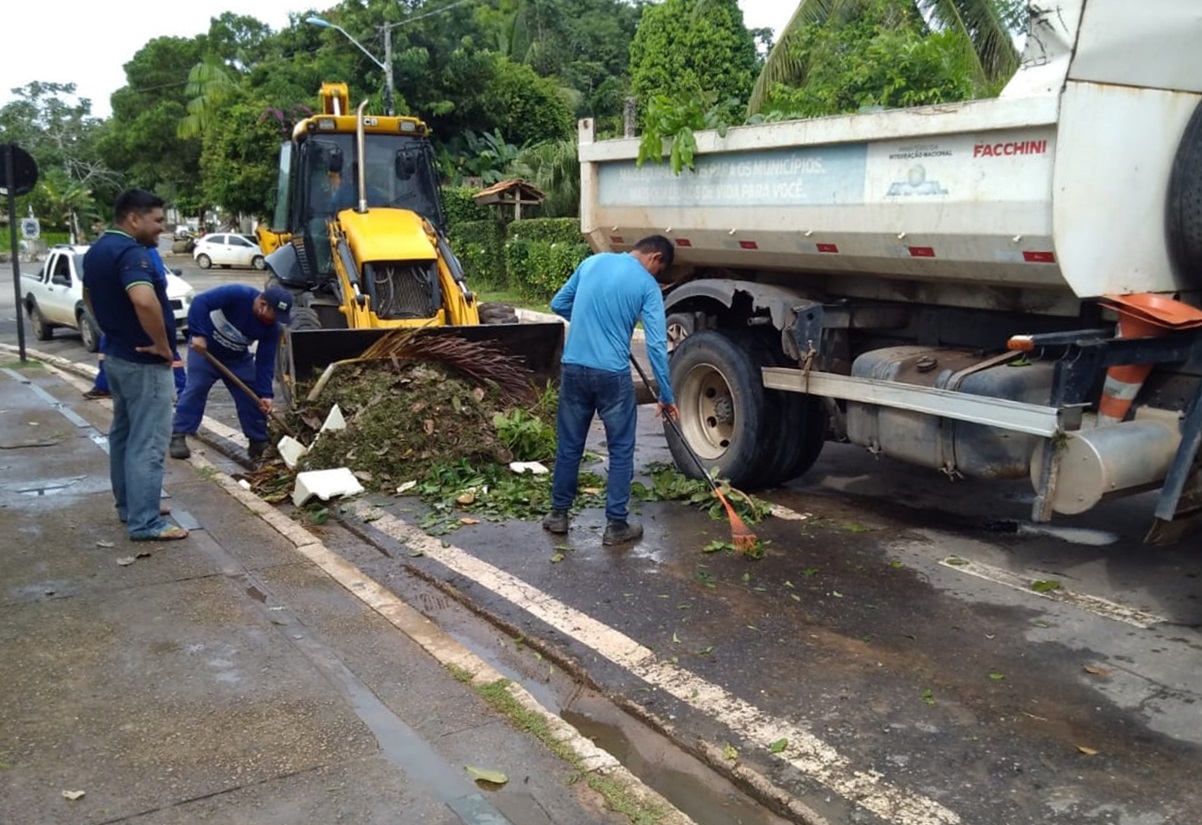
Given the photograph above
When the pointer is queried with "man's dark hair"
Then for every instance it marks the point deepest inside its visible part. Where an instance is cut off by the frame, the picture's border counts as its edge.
(135, 200)
(660, 244)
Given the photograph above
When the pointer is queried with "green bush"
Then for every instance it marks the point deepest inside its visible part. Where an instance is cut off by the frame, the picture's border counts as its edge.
(538, 269)
(460, 208)
(479, 245)
(547, 230)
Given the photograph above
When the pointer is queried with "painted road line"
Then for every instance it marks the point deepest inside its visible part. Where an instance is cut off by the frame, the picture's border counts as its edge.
(1094, 604)
(807, 753)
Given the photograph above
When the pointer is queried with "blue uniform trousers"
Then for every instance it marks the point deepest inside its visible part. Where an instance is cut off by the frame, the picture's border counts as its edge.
(201, 376)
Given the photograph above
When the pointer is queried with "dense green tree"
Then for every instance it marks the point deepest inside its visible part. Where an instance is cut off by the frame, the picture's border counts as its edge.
(885, 56)
(239, 161)
(141, 139)
(58, 130)
(988, 24)
(693, 48)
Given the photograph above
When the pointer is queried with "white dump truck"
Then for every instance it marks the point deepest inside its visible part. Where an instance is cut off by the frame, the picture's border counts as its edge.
(994, 289)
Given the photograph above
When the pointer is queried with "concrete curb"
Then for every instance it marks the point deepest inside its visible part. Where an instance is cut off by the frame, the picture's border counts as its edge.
(431, 638)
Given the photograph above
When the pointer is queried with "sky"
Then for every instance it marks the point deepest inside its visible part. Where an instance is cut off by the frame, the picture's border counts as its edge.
(43, 44)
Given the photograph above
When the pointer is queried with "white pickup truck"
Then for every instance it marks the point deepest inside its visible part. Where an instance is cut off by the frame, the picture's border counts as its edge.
(54, 297)
(995, 289)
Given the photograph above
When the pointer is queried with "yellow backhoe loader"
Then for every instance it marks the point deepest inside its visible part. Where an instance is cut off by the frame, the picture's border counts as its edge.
(359, 239)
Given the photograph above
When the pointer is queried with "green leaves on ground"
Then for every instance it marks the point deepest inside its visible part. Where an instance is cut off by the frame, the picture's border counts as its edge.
(484, 775)
(1045, 586)
(669, 484)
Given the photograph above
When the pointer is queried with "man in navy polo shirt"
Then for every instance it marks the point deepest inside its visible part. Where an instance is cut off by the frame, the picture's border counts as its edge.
(127, 295)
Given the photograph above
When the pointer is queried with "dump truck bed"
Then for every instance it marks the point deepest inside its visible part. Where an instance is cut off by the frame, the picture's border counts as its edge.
(1057, 188)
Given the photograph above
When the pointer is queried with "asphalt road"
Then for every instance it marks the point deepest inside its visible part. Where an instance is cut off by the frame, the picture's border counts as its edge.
(888, 661)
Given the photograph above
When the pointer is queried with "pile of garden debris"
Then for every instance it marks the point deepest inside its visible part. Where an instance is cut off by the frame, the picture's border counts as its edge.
(444, 419)
(413, 407)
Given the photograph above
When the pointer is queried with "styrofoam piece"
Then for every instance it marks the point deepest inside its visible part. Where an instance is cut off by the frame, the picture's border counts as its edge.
(325, 485)
(334, 421)
(291, 451)
(534, 467)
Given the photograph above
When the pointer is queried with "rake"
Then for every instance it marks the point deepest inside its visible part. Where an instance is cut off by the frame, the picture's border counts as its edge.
(740, 534)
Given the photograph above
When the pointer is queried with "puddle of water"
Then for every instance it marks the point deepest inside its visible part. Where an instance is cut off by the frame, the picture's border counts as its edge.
(1073, 535)
(706, 797)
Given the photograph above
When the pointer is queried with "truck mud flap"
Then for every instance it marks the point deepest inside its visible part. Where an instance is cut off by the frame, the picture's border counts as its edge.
(539, 346)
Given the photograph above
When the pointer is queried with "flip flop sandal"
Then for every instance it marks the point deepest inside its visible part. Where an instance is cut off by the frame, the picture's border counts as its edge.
(169, 533)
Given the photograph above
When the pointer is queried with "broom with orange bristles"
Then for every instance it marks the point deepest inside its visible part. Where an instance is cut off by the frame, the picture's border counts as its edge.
(741, 536)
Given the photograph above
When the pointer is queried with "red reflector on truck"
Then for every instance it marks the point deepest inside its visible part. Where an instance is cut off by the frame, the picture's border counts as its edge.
(828, 247)
(683, 242)
(1039, 257)
(748, 245)
(922, 252)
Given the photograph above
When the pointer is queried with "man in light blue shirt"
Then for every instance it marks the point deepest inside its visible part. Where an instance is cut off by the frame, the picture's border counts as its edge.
(605, 297)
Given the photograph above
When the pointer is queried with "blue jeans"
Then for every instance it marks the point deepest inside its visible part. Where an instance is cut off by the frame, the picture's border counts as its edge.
(584, 391)
(142, 396)
(202, 375)
(102, 381)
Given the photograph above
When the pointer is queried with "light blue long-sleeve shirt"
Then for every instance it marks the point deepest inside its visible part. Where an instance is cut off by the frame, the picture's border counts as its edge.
(605, 297)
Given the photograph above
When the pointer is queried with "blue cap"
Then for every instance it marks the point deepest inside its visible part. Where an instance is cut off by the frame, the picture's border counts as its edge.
(280, 300)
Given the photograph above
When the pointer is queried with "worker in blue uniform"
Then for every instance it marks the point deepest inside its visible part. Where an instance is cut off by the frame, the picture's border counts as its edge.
(225, 322)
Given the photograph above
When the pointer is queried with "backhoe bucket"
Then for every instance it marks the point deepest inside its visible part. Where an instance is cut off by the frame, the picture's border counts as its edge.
(307, 352)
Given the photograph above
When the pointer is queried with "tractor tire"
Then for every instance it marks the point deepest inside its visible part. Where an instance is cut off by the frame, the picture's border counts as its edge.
(494, 313)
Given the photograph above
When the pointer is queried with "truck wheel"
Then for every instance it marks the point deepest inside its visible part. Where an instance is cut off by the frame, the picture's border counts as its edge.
(204, 261)
(798, 426)
(494, 313)
(43, 330)
(723, 410)
(680, 327)
(1183, 213)
(88, 331)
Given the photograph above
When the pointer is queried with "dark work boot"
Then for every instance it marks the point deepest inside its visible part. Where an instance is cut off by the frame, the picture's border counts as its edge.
(620, 532)
(556, 521)
(179, 446)
(256, 449)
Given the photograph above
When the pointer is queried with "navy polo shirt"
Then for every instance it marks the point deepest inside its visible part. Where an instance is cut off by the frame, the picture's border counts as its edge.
(111, 266)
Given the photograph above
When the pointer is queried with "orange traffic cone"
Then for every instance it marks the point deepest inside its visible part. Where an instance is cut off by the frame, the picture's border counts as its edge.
(1143, 315)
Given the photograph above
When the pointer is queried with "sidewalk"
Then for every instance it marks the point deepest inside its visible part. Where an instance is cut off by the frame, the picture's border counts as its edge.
(229, 677)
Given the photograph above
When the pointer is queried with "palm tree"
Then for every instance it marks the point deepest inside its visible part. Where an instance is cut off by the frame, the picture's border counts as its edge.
(553, 167)
(209, 85)
(988, 24)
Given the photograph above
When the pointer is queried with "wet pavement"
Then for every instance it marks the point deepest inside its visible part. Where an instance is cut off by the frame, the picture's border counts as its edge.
(888, 661)
(226, 677)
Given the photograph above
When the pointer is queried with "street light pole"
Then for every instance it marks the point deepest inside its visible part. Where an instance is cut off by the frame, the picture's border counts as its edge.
(389, 89)
(385, 65)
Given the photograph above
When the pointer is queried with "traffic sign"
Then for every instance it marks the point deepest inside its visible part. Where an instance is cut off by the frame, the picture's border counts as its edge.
(24, 170)
(31, 230)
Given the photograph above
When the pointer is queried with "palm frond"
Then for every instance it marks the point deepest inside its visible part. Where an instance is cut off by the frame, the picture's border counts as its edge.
(783, 64)
(989, 25)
